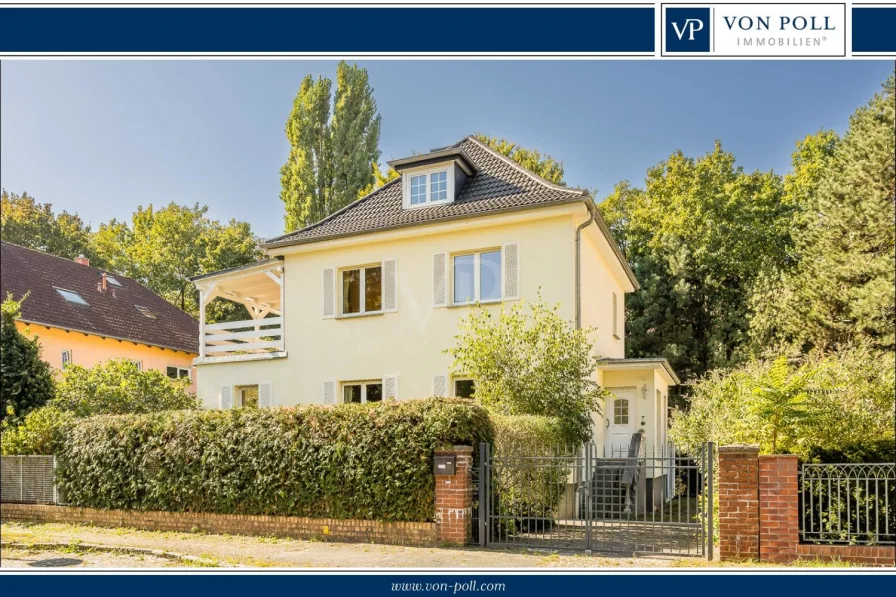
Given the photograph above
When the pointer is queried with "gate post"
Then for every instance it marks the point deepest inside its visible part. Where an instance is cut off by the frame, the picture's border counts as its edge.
(454, 497)
(483, 493)
(588, 483)
(710, 522)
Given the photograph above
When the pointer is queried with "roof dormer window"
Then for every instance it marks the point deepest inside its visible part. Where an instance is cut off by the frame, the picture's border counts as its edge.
(428, 187)
(435, 178)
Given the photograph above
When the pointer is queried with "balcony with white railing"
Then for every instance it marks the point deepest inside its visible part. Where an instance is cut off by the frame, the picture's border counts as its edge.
(259, 288)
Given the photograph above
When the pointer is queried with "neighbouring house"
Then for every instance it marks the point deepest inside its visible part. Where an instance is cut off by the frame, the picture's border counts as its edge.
(84, 315)
(361, 306)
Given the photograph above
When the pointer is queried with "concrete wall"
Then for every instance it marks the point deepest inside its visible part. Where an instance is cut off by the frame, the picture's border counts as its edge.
(88, 350)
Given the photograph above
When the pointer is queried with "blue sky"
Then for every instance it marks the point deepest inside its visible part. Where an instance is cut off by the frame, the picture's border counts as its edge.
(101, 137)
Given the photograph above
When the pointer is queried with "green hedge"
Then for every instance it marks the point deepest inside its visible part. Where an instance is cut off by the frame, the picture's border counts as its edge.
(349, 461)
(529, 496)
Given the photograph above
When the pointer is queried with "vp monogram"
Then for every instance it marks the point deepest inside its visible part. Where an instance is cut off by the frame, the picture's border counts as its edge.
(691, 26)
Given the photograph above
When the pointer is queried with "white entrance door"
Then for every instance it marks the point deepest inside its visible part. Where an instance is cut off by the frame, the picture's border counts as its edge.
(620, 418)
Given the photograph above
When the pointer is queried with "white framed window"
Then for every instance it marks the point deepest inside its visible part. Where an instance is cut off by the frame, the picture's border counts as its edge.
(72, 297)
(476, 277)
(418, 189)
(464, 387)
(66, 358)
(175, 372)
(362, 392)
(429, 187)
(620, 411)
(362, 290)
(438, 186)
(246, 396)
(137, 364)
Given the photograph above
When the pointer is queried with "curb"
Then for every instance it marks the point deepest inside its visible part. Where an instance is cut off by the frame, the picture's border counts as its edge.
(160, 553)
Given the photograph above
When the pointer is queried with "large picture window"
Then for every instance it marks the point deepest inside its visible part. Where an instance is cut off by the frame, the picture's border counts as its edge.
(477, 277)
(362, 290)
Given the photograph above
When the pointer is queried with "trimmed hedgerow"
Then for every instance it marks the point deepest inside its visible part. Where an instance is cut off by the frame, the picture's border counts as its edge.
(369, 462)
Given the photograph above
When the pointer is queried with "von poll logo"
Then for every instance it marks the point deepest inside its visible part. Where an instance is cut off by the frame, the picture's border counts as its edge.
(754, 30)
(687, 29)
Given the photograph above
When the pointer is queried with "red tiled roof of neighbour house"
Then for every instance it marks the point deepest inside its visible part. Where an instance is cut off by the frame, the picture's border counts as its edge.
(117, 312)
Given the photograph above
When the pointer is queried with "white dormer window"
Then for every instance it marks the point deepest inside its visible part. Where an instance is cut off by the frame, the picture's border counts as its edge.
(430, 186)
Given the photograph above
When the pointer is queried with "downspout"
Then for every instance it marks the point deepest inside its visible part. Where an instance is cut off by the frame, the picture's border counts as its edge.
(579, 264)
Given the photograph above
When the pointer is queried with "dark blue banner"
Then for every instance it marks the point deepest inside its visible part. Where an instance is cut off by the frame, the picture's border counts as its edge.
(874, 29)
(460, 583)
(467, 30)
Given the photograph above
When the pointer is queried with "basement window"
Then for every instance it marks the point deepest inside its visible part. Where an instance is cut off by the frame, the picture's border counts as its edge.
(72, 297)
(362, 392)
(145, 312)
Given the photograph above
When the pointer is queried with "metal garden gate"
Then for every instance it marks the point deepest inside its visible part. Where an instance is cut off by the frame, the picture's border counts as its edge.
(582, 499)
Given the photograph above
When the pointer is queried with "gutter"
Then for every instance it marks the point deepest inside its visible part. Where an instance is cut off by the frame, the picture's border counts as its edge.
(581, 227)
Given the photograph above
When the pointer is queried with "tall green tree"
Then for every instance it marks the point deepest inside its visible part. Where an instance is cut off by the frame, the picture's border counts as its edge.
(28, 223)
(696, 235)
(544, 166)
(841, 290)
(330, 160)
(25, 379)
(163, 247)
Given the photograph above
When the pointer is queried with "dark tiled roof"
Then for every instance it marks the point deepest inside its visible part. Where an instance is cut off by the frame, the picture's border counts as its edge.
(111, 314)
(499, 185)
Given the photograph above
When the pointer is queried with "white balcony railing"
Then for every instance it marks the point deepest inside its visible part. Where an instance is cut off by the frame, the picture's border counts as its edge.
(250, 336)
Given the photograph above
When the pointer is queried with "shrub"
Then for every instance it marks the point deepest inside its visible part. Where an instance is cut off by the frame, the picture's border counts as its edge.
(26, 382)
(846, 400)
(528, 360)
(528, 496)
(40, 432)
(349, 461)
(118, 387)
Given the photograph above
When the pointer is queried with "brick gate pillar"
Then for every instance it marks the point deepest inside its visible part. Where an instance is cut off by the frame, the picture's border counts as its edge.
(454, 498)
(739, 502)
(779, 534)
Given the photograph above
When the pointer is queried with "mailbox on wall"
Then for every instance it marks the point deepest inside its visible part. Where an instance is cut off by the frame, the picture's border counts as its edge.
(444, 465)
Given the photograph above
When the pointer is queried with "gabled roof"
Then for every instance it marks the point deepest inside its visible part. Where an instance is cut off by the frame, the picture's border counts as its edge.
(111, 314)
(499, 185)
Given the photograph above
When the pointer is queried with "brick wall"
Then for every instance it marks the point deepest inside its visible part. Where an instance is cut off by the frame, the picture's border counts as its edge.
(453, 512)
(759, 513)
(454, 498)
(779, 525)
(739, 503)
(327, 529)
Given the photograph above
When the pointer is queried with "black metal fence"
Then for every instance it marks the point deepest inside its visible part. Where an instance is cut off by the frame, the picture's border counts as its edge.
(579, 498)
(847, 503)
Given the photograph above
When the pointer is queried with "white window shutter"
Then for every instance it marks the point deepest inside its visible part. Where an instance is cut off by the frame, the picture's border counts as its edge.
(390, 285)
(510, 255)
(265, 398)
(440, 280)
(226, 396)
(329, 293)
(390, 387)
(440, 385)
(329, 392)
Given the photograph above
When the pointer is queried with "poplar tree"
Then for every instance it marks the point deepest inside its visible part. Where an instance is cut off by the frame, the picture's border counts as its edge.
(330, 160)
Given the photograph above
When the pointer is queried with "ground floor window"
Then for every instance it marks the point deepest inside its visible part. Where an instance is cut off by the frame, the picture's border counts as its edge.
(361, 392)
(464, 388)
(177, 372)
(246, 397)
(137, 364)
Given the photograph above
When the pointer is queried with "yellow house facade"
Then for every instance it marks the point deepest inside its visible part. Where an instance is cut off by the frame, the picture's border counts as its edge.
(362, 306)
